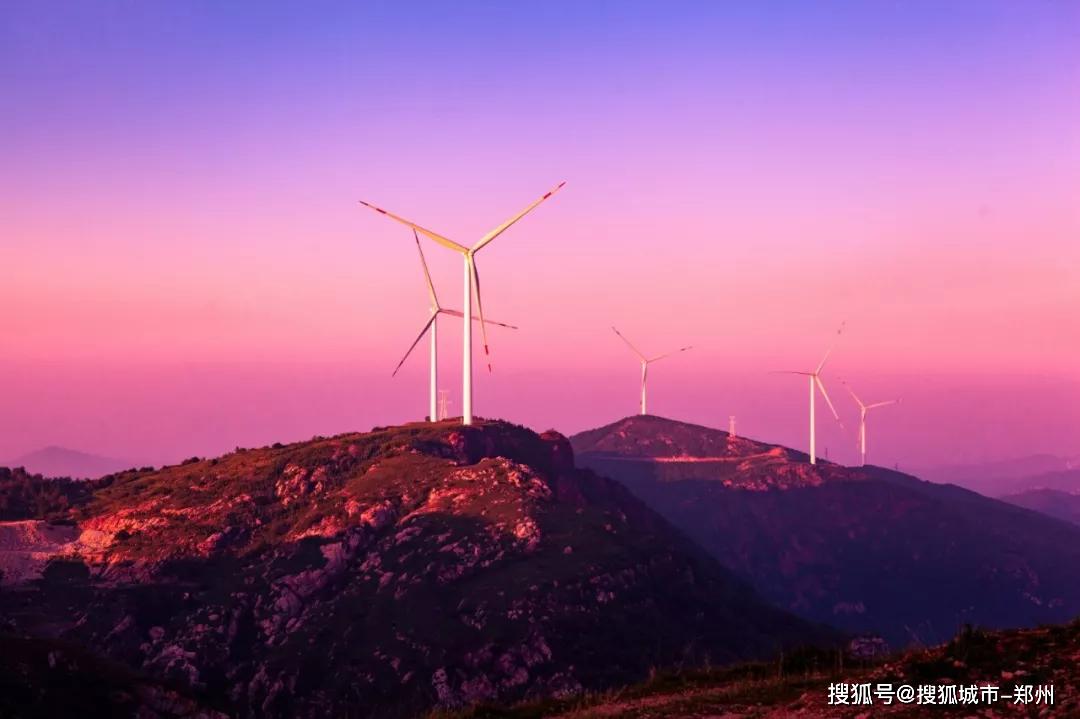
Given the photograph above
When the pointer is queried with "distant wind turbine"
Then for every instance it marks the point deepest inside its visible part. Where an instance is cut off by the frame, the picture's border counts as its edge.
(815, 381)
(472, 283)
(863, 409)
(645, 362)
(433, 325)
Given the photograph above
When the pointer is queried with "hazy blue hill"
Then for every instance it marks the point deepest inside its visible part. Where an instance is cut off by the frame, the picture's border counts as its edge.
(1051, 502)
(64, 462)
(1010, 476)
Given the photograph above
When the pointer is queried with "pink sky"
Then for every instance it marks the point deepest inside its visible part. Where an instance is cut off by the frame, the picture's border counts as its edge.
(187, 268)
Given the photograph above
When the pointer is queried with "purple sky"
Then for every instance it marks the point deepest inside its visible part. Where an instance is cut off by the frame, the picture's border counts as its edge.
(187, 268)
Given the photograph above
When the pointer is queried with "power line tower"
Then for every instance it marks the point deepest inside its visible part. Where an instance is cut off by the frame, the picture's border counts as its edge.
(444, 404)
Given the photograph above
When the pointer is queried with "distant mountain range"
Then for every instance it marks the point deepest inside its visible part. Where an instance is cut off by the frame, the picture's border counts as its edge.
(379, 575)
(64, 462)
(865, 549)
(1051, 502)
(994, 479)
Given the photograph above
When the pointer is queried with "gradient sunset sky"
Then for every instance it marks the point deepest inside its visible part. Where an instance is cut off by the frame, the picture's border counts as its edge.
(186, 268)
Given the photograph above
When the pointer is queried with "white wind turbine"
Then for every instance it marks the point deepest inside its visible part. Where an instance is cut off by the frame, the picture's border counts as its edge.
(433, 325)
(471, 283)
(863, 409)
(645, 362)
(816, 383)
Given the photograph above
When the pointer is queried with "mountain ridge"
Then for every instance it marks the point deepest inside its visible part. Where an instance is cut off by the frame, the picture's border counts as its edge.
(1050, 502)
(867, 549)
(428, 565)
(1011, 476)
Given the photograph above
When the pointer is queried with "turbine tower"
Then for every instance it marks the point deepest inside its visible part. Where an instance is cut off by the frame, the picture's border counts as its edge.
(863, 409)
(645, 362)
(471, 285)
(432, 325)
(814, 378)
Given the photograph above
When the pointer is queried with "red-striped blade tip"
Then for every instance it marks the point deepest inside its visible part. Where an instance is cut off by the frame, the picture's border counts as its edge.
(374, 207)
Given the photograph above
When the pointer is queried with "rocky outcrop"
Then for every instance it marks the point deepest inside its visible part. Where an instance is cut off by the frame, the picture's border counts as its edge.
(27, 547)
(427, 565)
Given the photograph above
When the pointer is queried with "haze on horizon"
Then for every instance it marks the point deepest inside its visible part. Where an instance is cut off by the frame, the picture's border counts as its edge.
(187, 268)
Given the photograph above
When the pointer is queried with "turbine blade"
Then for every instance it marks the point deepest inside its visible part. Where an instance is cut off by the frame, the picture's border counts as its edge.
(829, 352)
(854, 396)
(479, 307)
(506, 225)
(883, 404)
(456, 313)
(821, 386)
(415, 342)
(427, 275)
(423, 231)
(632, 347)
(790, 371)
(681, 349)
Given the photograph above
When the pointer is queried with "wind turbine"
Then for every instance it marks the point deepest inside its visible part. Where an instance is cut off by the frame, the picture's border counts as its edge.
(645, 362)
(471, 283)
(863, 409)
(433, 325)
(815, 382)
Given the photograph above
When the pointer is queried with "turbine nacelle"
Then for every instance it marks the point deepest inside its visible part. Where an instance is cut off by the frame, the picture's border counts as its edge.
(436, 310)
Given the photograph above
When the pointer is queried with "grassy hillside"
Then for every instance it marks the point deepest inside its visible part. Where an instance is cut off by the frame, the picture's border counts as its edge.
(798, 686)
(382, 573)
